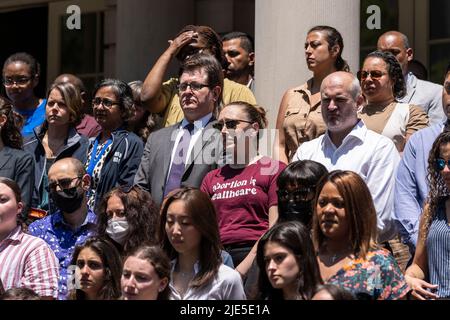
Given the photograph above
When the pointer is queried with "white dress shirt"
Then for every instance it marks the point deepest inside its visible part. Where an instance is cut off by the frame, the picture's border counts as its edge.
(371, 155)
(226, 285)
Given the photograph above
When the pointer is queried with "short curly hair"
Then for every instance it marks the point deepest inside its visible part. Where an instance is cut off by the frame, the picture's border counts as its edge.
(394, 71)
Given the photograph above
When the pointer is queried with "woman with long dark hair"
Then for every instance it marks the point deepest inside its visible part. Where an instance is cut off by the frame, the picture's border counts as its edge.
(344, 234)
(189, 234)
(15, 163)
(287, 263)
(429, 273)
(128, 217)
(98, 267)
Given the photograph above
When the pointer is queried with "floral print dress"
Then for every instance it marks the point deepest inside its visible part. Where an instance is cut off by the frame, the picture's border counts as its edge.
(377, 277)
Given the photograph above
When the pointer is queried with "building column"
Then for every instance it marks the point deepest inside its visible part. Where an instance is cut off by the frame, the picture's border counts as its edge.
(280, 33)
(142, 30)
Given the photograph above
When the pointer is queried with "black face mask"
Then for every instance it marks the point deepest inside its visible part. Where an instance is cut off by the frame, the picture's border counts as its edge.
(68, 200)
(291, 210)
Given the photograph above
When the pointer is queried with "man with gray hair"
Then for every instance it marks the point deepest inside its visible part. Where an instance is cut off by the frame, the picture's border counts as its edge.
(422, 93)
(349, 145)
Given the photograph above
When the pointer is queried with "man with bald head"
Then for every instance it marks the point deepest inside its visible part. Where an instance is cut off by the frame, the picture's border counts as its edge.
(349, 145)
(88, 125)
(422, 93)
(73, 222)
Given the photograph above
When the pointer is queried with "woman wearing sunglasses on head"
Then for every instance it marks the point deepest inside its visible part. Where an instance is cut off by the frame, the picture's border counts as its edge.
(382, 84)
(114, 156)
(57, 138)
(21, 74)
(429, 273)
(244, 189)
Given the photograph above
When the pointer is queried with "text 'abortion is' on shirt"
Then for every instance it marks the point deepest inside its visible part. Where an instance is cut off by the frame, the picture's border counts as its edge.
(242, 198)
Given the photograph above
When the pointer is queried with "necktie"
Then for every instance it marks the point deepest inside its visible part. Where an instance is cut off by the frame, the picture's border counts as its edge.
(179, 160)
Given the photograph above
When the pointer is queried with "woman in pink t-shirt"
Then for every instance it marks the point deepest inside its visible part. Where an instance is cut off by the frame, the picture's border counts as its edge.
(244, 189)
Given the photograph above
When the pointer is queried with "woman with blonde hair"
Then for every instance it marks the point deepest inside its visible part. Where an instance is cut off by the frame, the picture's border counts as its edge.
(56, 139)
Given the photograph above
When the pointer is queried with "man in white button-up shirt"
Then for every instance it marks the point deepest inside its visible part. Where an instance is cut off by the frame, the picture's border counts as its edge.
(349, 145)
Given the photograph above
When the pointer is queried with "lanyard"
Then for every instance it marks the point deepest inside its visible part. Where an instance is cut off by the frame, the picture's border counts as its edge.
(94, 158)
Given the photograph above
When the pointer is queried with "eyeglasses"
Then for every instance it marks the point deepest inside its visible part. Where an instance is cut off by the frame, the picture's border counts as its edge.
(105, 102)
(296, 195)
(9, 82)
(63, 184)
(374, 74)
(193, 85)
(440, 164)
(229, 124)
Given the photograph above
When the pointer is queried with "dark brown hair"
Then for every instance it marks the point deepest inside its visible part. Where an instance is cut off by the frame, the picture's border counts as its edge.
(141, 214)
(438, 189)
(203, 214)
(10, 132)
(295, 237)
(112, 265)
(334, 38)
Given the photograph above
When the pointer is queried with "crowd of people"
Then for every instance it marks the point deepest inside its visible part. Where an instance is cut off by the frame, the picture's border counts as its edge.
(158, 190)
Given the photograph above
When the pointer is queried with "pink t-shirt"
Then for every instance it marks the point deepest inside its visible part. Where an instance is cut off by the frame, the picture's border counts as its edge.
(242, 198)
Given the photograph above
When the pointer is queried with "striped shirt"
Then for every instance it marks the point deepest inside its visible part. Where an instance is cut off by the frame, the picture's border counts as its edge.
(438, 251)
(27, 261)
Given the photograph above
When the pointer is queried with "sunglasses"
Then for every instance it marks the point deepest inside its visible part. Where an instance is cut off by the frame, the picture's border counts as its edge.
(374, 74)
(229, 124)
(64, 184)
(296, 195)
(440, 164)
(105, 102)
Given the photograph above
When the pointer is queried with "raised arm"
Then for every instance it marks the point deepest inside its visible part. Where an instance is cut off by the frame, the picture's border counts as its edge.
(151, 94)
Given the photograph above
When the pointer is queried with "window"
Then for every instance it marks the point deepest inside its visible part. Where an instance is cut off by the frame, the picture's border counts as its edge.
(389, 21)
(439, 39)
(82, 50)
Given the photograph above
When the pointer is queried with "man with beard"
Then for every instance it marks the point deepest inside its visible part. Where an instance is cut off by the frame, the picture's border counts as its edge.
(73, 222)
(238, 49)
(349, 145)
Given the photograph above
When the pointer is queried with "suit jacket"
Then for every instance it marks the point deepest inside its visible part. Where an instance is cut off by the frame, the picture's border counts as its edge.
(18, 165)
(155, 163)
(427, 95)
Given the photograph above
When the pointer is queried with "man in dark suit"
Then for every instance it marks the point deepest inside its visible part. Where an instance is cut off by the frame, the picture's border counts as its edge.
(182, 154)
